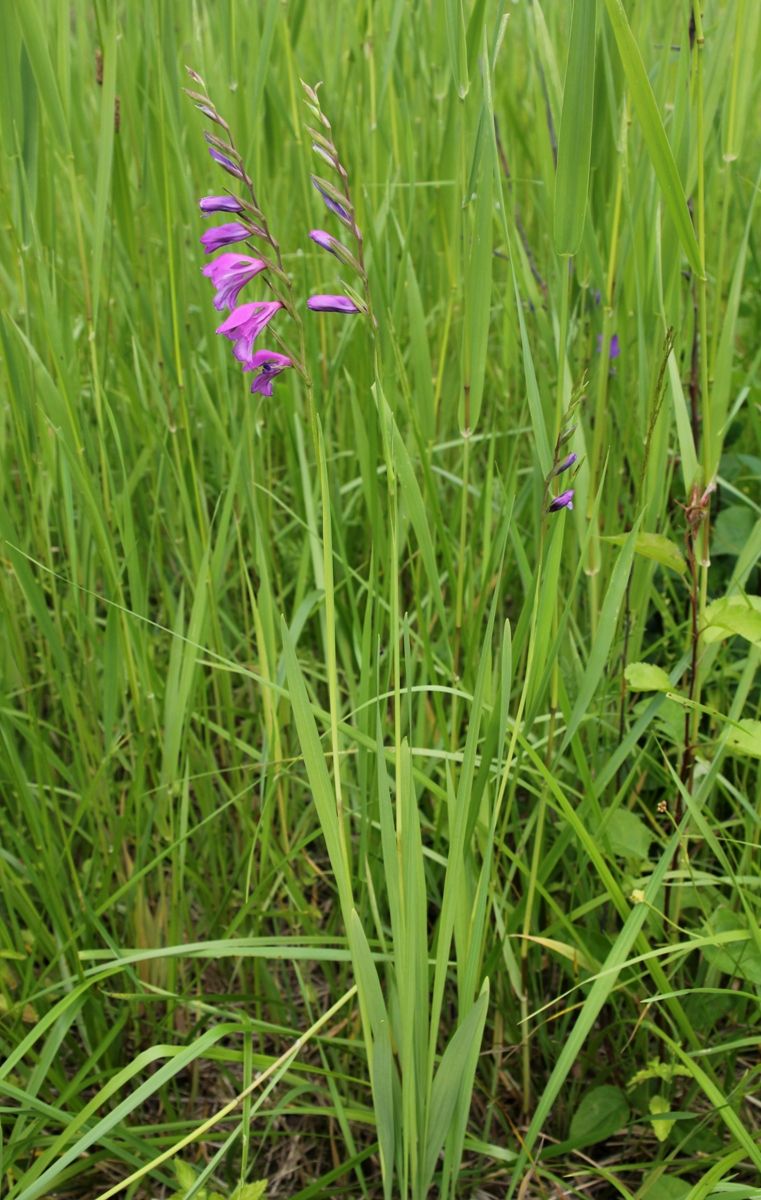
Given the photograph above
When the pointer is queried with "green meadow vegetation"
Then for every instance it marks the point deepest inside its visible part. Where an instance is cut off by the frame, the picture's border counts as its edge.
(370, 825)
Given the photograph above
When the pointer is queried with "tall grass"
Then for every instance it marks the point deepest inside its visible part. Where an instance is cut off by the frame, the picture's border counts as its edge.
(369, 829)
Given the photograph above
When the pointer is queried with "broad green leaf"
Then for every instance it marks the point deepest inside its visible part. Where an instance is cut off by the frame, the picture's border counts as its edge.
(731, 530)
(602, 1112)
(736, 614)
(741, 958)
(661, 1128)
(653, 132)
(627, 834)
(647, 677)
(666, 1187)
(655, 546)
(575, 141)
(746, 740)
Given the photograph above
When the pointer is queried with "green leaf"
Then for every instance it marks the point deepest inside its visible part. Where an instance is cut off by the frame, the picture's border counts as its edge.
(732, 529)
(601, 1113)
(736, 614)
(655, 546)
(653, 132)
(741, 958)
(661, 1127)
(458, 49)
(667, 1187)
(450, 1078)
(746, 739)
(627, 834)
(250, 1191)
(575, 140)
(184, 1174)
(646, 677)
(601, 644)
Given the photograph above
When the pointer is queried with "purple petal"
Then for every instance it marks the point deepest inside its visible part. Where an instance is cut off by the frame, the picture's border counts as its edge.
(244, 325)
(271, 365)
(212, 204)
(323, 239)
(229, 273)
(269, 358)
(225, 162)
(332, 204)
(564, 500)
(613, 350)
(224, 235)
(339, 304)
(565, 464)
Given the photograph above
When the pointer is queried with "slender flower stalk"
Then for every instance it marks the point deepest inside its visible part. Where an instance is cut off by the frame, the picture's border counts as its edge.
(337, 199)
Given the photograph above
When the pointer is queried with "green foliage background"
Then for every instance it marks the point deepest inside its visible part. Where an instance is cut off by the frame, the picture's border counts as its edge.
(170, 920)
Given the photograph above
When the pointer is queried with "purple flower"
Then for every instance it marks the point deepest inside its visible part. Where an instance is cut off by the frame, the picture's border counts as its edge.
(244, 325)
(562, 466)
(212, 204)
(229, 273)
(332, 204)
(564, 500)
(339, 304)
(227, 163)
(615, 347)
(224, 235)
(269, 365)
(326, 240)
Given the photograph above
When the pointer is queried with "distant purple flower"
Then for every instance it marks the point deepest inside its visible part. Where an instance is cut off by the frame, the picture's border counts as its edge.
(565, 464)
(212, 204)
(224, 235)
(269, 365)
(332, 204)
(615, 346)
(228, 164)
(244, 325)
(229, 273)
(564, 500)
(339, 304)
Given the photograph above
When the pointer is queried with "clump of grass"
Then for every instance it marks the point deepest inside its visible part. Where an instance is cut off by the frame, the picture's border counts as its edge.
(314, 718)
